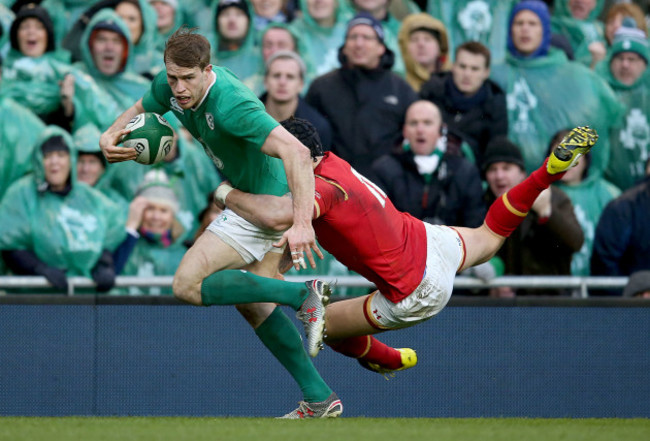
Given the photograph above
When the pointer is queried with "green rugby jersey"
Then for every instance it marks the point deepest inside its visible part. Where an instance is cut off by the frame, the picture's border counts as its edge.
(232, 125)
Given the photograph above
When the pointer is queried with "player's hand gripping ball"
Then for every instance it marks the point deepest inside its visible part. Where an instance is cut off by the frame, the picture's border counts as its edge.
(151, 136)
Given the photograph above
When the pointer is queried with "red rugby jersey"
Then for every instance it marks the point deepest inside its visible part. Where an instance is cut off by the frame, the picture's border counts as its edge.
(356, 223)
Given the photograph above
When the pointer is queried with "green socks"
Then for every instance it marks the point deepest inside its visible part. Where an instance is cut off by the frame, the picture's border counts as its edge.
(282, 338)
(235, 287)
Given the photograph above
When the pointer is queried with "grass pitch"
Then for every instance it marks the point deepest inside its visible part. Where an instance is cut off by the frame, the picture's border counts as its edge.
(341, 429)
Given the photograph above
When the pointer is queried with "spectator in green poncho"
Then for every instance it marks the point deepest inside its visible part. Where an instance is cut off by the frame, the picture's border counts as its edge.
(485, 21)
(108, 55)
(545, 92)
(140, 17)
(626, 71)
(578, 21)
(168, 19)
(19, 130)
(91, 163)
(322, 29)
(54, 226)
(233, 42)
(266, 12)
(40, 77)
(153, 246)
(589, 195)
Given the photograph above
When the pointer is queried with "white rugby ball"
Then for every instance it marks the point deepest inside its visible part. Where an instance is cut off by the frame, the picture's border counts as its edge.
(151, 136)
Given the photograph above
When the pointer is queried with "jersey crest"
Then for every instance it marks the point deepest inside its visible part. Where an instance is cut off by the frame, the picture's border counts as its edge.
(209, 118)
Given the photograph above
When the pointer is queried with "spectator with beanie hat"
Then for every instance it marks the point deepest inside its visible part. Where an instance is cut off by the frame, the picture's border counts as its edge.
(626, 70)
(152, 246)
(363, 100)
(547, 238)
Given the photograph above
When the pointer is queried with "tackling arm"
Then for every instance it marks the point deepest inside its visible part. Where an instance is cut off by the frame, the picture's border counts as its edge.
(299, 170)
(262, 210)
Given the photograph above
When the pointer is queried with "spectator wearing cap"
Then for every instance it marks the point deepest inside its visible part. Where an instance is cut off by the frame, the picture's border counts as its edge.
(41, 78)
(472, 105)
(153, 244)
(107, 56)
(545, 241)
(578, 21)
(638, 285)
(322, 29)
(589, 194)
(391, 25)
(233, 42)
(55, 226)
(545, 92)
(284, 78)
(626, 71)
(424, 47)
(485, 21)
(363, 100)
(622, 242)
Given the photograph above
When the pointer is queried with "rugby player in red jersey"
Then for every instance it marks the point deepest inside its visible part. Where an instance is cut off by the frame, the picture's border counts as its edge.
(412, 263)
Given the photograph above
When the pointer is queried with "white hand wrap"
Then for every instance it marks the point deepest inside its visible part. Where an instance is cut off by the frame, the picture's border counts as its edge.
(222, 192)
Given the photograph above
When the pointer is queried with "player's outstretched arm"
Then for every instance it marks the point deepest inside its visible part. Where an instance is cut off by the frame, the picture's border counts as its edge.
(300, 177)
(112, 136)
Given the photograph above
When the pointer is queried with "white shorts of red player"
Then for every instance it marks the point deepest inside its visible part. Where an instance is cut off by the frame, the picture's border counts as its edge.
(445, 254)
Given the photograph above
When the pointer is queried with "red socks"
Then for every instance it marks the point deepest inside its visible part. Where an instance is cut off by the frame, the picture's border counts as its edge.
(508, 211)
(370, 349)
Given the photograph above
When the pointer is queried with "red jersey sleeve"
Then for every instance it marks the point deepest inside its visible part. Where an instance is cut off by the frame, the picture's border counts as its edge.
(328, 194)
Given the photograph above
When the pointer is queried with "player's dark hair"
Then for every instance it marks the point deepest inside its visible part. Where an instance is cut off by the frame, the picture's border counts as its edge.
(186, 48)
(306, 133)
(475, 48)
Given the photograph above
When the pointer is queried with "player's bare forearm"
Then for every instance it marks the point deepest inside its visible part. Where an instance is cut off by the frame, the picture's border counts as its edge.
(262, 210)
(298, 167)
(111, 137)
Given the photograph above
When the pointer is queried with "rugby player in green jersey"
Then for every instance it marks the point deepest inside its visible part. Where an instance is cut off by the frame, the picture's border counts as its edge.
(257, 155)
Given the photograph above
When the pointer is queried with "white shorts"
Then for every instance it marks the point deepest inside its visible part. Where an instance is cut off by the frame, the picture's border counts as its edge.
(251, 242)
(445, 254)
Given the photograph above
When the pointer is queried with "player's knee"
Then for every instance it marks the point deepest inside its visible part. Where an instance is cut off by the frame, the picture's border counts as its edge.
(185, 291)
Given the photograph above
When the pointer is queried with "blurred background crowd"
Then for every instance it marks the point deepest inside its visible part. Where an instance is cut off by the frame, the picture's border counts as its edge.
(445, 104)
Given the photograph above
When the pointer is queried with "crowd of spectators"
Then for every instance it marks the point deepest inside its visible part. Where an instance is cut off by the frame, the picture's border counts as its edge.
(444, 104)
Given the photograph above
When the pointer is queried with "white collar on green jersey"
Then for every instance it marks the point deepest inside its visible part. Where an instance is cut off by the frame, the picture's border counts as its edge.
(207, 91)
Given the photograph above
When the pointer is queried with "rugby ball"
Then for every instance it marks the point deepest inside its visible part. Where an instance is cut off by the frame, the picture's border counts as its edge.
(151, 136)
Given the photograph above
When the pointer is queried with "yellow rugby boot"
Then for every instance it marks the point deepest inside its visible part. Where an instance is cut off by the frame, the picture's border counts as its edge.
(409, 359)
(576, 143)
